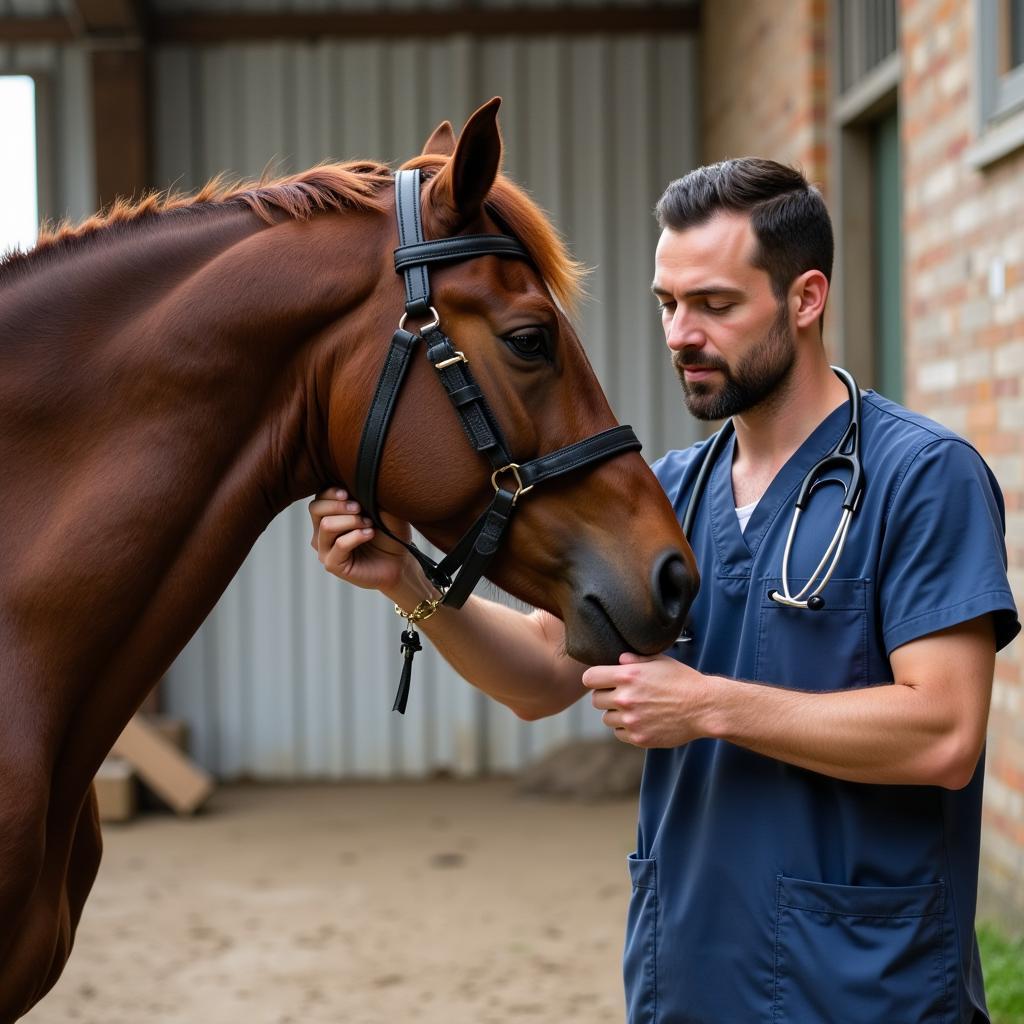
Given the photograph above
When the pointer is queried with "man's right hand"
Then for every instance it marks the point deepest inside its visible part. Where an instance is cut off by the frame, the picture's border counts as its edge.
(514, 657)
(350, 548)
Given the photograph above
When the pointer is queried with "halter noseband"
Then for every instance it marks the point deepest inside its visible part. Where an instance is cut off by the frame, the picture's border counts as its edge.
(471, 556)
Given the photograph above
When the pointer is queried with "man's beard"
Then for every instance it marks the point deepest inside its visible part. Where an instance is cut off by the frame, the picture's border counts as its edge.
(760, 373)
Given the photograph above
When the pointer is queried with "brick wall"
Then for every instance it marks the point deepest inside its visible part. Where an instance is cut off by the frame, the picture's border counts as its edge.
(764, 82)
(766, 89)
(964, 315)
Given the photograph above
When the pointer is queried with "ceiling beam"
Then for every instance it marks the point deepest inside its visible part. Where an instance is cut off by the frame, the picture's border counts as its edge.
(112, 18)
(246, 26)
(36, 30)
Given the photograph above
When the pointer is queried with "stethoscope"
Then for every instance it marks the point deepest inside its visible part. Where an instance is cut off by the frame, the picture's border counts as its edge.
(844, 455)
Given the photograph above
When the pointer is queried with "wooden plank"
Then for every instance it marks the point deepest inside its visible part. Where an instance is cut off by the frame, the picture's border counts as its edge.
(164, 768)
(474, 21)
(120, 122)
(35, 30)
(107, 16)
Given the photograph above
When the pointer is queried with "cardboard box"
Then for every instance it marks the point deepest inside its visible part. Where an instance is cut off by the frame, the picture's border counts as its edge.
(116, 790)
(163, 767)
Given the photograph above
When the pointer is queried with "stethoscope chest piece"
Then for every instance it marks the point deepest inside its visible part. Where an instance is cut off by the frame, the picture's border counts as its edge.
(814, 603)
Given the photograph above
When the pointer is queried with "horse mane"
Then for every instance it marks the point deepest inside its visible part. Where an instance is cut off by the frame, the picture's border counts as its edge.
(356, 185)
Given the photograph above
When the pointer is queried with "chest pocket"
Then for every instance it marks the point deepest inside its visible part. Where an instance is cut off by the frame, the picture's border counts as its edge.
(814, 650)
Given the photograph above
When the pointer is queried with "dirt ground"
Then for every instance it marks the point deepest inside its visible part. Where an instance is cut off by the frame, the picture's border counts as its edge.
(440, 903)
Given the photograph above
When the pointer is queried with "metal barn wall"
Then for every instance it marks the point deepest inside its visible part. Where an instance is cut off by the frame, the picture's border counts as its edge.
(294, 672)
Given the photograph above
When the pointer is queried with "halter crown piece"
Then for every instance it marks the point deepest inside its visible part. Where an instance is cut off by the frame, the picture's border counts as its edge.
(471, 556)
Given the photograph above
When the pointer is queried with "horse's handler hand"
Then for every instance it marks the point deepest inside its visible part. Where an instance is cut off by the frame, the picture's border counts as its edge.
(349, 546)
(651, 702)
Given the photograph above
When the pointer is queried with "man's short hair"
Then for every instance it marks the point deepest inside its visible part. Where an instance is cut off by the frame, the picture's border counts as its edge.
(787, 214)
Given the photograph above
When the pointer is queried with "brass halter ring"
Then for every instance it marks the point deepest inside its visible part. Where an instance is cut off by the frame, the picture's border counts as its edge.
(513, 468)
(436, 322)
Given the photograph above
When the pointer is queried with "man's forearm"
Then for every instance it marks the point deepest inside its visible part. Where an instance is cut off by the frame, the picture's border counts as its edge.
(503, 652)
(927, 728)
(880, 734)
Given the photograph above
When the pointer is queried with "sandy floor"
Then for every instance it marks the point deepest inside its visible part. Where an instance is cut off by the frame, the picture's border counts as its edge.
(439, 903)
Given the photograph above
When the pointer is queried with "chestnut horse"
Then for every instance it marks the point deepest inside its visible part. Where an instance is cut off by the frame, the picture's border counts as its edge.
(175, 373)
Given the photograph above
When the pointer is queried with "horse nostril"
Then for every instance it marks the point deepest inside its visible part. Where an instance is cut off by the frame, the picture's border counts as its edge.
(673, 588)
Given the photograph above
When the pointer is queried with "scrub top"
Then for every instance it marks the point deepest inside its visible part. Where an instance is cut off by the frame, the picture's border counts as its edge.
(768, 894)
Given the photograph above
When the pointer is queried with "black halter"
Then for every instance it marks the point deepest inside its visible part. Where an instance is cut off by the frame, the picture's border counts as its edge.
(471, 556)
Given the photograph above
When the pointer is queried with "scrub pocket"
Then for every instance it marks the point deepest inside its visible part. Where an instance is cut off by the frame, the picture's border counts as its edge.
(814, 650)
(640, 958)
(847, 954)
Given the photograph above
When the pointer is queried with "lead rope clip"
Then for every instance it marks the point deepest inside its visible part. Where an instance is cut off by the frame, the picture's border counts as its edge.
(410, 645)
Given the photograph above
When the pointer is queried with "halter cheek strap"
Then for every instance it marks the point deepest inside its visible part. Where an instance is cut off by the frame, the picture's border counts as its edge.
(458, 573)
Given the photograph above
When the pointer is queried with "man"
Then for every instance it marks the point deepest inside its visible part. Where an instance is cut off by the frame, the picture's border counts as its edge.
(810, 812)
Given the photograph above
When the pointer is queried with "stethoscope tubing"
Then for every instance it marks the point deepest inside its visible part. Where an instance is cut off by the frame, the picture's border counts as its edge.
(845, 454)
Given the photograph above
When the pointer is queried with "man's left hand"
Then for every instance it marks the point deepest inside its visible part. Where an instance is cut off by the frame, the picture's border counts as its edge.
(650, 702)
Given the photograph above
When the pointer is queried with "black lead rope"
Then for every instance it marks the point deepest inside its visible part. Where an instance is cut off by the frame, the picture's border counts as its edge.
(410, 645)
(458, 573)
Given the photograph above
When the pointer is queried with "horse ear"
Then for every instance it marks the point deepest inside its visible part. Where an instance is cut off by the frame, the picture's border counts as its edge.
(441, 141)
(461, 187)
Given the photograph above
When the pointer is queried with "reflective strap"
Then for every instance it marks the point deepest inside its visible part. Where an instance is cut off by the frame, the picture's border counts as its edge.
(461, 247)
(410, 232)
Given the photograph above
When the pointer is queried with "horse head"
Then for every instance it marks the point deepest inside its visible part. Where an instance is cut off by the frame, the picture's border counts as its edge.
(599, 547)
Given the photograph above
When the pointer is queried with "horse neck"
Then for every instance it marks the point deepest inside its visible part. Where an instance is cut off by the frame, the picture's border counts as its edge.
(157, 409)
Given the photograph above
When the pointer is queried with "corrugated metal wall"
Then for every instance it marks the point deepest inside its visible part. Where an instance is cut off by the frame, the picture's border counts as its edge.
(293, 674)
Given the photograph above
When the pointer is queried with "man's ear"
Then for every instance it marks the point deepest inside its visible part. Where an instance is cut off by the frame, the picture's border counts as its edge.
(809, 292)
(459, 189)
(441, 141)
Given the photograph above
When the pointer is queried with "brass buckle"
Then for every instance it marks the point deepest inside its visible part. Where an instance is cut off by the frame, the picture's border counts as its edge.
(513, 468)
(459, 357)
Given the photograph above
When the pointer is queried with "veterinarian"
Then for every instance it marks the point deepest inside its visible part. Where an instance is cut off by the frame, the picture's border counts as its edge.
(810, 813)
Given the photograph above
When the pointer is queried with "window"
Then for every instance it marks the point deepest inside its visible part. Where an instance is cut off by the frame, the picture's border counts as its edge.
(18, 179)
(1000, 56)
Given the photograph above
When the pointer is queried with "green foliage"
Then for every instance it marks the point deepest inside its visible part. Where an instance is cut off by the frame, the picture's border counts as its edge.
(1002, 960)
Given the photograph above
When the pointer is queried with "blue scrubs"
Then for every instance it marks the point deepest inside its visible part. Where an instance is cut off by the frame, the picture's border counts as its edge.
(767, 894)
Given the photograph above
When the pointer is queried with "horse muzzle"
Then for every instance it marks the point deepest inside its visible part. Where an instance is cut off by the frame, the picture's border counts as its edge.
(605, 619)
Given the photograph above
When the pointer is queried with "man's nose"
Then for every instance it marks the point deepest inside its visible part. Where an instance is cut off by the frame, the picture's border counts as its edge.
(684, 332)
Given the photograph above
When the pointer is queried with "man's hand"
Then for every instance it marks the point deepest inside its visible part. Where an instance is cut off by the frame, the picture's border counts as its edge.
(650, 702)
(926, 728)
(351, 549)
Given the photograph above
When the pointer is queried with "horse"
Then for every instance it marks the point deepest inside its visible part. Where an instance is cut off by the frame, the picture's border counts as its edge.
(177, 370)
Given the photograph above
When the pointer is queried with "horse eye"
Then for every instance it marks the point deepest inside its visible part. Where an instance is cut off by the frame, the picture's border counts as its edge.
(529, 343)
